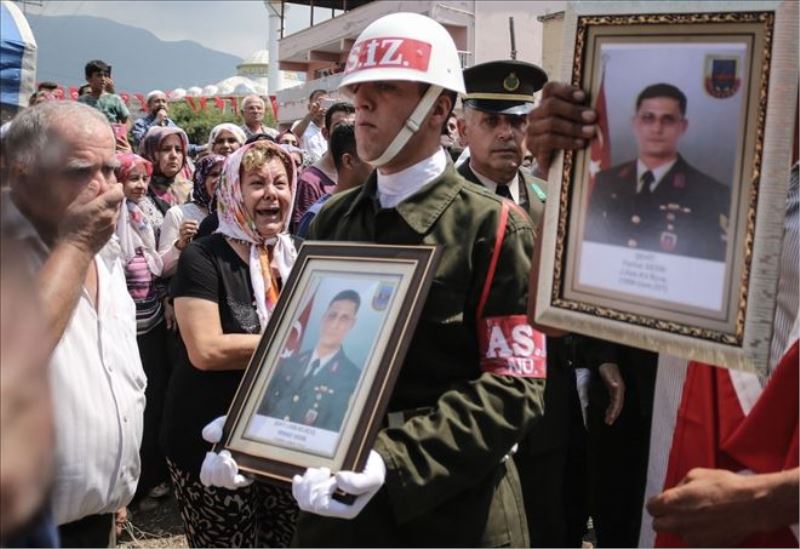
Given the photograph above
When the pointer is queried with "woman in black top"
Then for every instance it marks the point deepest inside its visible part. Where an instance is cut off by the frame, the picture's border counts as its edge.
(225, 289)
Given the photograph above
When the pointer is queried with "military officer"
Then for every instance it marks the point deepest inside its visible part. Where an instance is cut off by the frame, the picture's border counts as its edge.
(314, 387)
(496, 105)
(659, 202)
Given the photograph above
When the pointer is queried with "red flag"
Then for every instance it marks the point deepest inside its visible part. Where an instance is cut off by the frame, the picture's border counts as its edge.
(203, 101)
(219, 103)
(73, 93)
(273, 101)
(126, 97)
(295, 338)
(140, 98)
(713, 431)
(234, 103)
(600, 150)
(191, 103)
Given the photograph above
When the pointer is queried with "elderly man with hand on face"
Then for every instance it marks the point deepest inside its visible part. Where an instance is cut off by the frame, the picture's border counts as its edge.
(59, 162)
(157, 115)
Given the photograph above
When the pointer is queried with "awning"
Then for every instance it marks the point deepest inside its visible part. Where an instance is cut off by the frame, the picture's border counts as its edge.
(17, 57)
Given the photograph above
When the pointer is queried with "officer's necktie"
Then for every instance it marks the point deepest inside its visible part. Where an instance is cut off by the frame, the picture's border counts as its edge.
(647, 180)
(312, 368)
(504, 191)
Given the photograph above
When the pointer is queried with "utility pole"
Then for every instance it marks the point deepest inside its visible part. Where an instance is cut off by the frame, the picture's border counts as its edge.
(275, 13)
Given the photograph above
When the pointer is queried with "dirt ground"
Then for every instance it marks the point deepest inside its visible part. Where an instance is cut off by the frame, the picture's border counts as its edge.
(161, 527)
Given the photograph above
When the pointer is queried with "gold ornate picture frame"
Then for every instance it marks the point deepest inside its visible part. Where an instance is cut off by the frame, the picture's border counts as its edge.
(317, 386)
(681, 259)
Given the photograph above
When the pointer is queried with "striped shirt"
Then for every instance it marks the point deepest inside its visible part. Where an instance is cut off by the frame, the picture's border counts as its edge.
(98, 390)
(142, 288)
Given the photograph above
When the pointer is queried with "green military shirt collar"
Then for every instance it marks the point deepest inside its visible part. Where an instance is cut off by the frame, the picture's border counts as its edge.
(421, 209)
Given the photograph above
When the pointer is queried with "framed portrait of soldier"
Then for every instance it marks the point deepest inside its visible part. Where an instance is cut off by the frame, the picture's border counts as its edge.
(315, 391)
(664, 231)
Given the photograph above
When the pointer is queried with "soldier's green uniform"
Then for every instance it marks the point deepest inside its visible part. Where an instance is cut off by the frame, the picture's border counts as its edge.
(447, 483)
(314, 397)
(549, 459)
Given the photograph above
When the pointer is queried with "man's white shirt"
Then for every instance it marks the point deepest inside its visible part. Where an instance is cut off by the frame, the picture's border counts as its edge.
(98, 391)
(314, 143)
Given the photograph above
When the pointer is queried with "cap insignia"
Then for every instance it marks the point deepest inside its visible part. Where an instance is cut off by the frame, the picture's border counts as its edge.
(511, 83)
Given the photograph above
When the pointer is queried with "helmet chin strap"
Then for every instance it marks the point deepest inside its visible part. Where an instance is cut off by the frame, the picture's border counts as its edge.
(411, 126)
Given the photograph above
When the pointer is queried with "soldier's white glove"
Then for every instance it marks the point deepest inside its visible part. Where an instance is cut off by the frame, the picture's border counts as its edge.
(314, 490)
(220, 470)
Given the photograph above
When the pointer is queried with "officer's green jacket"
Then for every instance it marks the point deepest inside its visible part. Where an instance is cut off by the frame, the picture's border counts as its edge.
(447, 482)
(532, 197)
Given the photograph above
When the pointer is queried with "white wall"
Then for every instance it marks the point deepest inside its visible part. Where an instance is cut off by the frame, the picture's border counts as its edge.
(492, 40)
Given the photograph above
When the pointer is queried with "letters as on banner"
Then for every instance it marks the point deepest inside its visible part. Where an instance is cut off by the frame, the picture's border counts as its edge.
(389, 53)
(511, 347)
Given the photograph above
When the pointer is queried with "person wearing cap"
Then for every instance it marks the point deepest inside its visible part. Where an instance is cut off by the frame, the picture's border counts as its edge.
(496, 105)
(157, 115)
(550, 458)
(472, 382)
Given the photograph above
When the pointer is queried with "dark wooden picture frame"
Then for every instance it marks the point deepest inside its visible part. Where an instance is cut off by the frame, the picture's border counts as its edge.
(274, 449)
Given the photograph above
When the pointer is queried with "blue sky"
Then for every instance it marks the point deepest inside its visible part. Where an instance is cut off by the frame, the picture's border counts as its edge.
(238, 27)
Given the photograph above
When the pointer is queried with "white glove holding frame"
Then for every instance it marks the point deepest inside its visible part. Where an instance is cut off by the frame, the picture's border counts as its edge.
(220, 470)
(314, 490)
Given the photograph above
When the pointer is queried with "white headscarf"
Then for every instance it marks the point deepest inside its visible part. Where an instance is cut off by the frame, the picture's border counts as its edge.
(237, 132)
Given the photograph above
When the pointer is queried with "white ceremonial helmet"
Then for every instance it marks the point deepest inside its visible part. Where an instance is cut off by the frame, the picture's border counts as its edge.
(409, 47)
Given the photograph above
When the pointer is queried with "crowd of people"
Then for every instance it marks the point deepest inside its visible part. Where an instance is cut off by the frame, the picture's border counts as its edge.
(139, 271)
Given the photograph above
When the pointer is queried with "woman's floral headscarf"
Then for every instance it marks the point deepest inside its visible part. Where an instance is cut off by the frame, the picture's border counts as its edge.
(266, 254)
(202, 168)
(133, 229)
(127, 161)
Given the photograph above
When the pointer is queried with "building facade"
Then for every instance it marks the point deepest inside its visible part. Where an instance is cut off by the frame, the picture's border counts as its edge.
(480, 30)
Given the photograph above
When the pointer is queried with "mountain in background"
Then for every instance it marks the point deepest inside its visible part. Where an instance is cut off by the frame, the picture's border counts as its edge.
(140, 61)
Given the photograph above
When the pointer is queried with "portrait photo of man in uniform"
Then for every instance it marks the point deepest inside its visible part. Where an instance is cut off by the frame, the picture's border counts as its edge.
(659, 191)
(314, 387)
(658, 201)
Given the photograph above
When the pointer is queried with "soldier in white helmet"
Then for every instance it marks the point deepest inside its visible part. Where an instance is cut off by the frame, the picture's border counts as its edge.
(473, 380)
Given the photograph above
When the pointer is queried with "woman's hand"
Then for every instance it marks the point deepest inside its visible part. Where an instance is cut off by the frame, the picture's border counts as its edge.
(169, 316)
(186, 233)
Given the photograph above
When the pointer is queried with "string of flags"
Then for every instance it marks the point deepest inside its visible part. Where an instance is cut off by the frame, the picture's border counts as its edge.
(196, 104)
